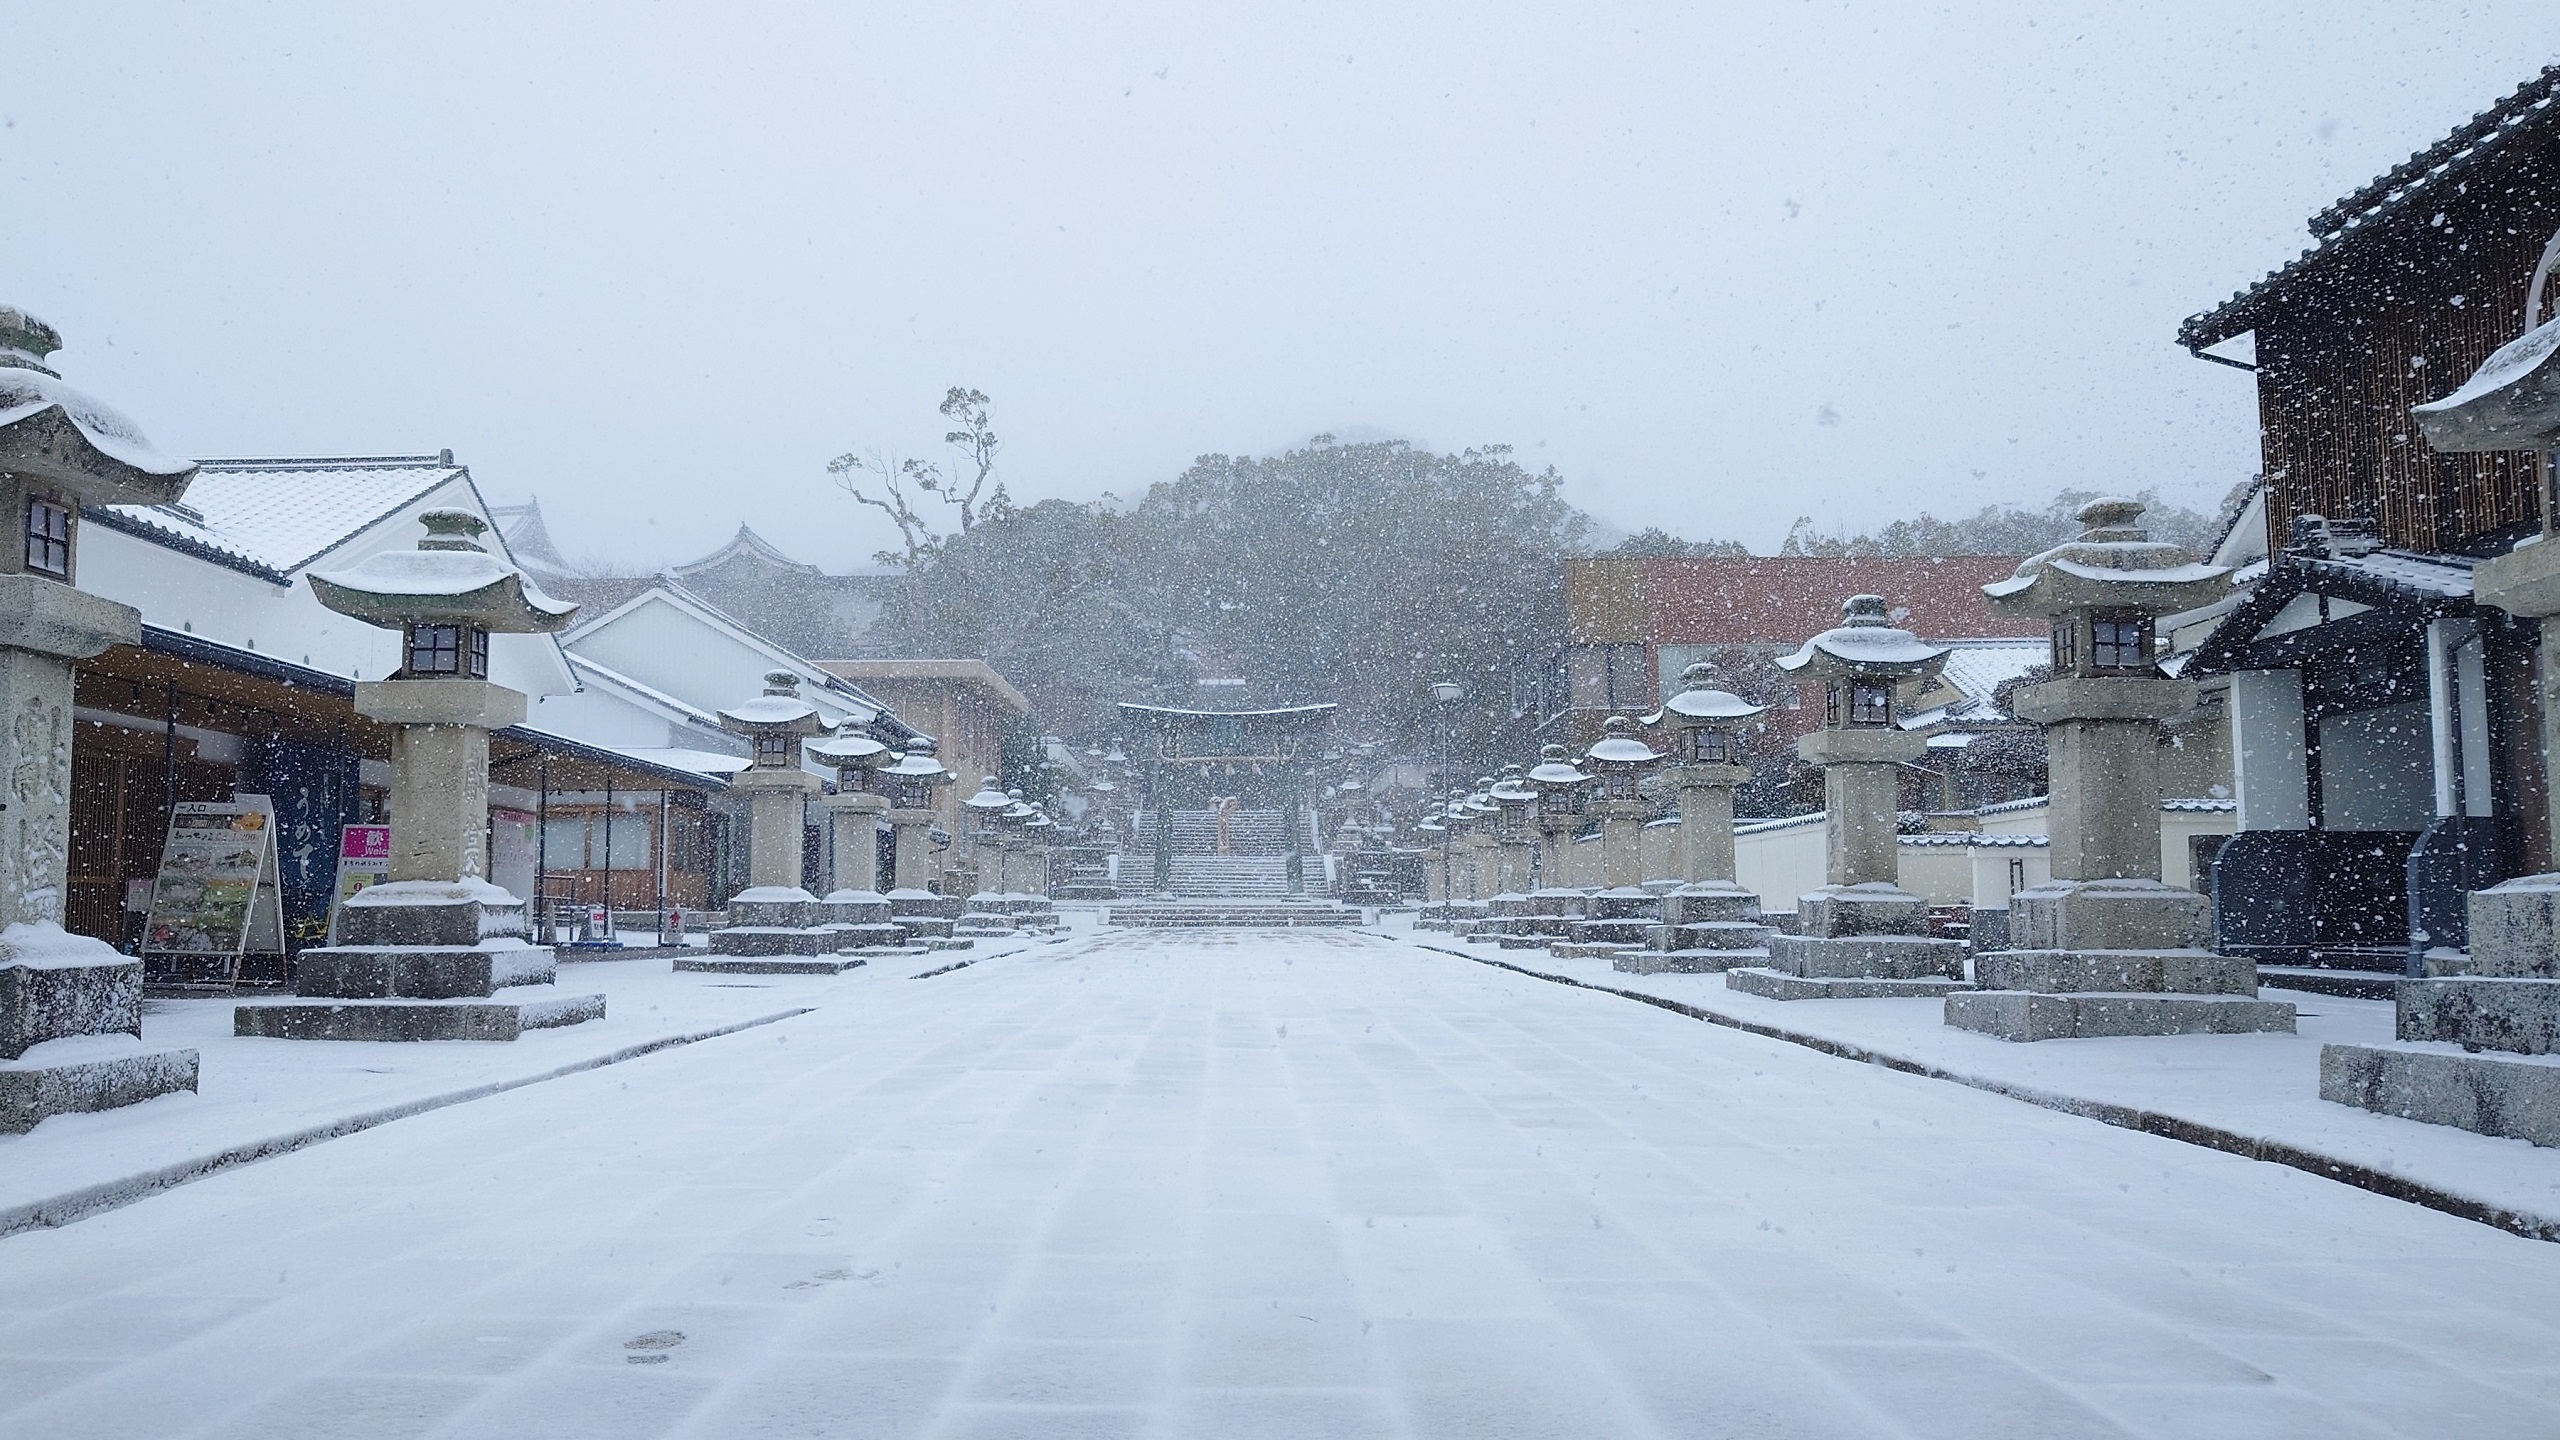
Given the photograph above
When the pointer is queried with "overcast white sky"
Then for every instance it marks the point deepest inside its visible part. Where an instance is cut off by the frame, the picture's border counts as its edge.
(1720, 265)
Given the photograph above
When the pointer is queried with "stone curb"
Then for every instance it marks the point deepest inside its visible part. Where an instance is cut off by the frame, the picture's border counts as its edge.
(72, 1205)
(2108, 1112)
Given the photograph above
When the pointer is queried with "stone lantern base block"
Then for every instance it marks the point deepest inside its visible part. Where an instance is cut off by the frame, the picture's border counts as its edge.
(920, 928)
(55, 985)
(2515, 1097)
(418, 913)
(2481, 1012)
(1779, 985)
(1708, 903)
(504, 1016)
(857, 937)
(2027, 1015)
(769, 940)
(2515, 930)
(2109, 915)
(420, 972)
(1727, 935)
(916, 904)
(829, 963)
(852, 907)
(1875, 908)
(1701, 961)
(87, 1072)
(2066, 972)
(1626, 915)
(772, 906)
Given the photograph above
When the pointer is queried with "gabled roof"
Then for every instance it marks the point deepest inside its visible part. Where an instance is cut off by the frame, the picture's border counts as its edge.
(528, 539)
(667, 590)
(275, 517)
(648, 698)
(2415, 587)
(747, 544)
(2445, 167)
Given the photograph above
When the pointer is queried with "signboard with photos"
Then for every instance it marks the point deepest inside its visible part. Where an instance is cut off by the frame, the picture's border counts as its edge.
(214, 905)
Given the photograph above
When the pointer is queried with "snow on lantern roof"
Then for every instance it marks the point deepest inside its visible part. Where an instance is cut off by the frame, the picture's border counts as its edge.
(1512, 789)
(780, 704)
(2114, 562)
(917, 764)
(1699, 700)
(448, 579)
(2512, 402)
(58, 435)
(1619, 746)
(842, 749)
(1553, 768)
(988, 796)
(1864, 643)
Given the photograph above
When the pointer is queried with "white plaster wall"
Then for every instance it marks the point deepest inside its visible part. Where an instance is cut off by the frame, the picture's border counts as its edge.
(2377, 769)
(183, 592)
(2268, 755)
(1990, 864)
(1782, 862)
(1939, 874)
(670, 650)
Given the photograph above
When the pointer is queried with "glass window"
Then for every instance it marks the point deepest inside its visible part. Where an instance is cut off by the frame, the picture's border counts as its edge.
(435, 650)
(1871, 705)
(479, 653)
(1830, 704)
(630, 841)
(2120, 642)
(2066, 643)
(772, 749)
(564, 842)
(1706, 746)
(49, 539)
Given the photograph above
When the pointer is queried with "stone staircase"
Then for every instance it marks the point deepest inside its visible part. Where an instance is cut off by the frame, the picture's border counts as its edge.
(1231, 876)
(1229, 914)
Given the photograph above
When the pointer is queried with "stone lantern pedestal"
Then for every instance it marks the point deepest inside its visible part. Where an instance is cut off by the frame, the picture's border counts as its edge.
(70, 1006)
(2477, 1031)
(1861, 935)
(433, 952)
(2105, 948)
(855, 909)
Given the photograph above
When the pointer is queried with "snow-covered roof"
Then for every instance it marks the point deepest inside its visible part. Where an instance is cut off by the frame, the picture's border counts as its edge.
(448, 578)
(1977, 668)
(1556, 772)
(122, 459)
(2511, 402)
(746, 543)
(2451, 161)
(589, 671)
(2445, 577)
(1705, 705)
(841, 748)
(278, 516)
(1864, 640)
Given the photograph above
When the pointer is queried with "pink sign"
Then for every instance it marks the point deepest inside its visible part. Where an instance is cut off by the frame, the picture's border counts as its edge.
(364, 842)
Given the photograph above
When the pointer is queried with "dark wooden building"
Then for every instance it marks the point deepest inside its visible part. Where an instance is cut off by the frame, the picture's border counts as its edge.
(2384, 725)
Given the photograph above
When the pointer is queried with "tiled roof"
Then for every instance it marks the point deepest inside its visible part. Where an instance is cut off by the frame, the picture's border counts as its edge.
(277, 516)
(1977, 668)
(2448, 161)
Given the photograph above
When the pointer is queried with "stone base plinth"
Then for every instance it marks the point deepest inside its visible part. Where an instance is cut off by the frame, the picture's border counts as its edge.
(2027, 1015)
(1867, 957)
(2512, 1096)
(762, 940)
(2109, 915)
(1590, 949)
(831, 963)
(414, 914)
(1875, 908)
(93, 1072)
(851, 907)
(1635, 930)
(420, 972)
(772, 907)
(1711, 935)
(1707, 902)
(504, 1016)
(1779, 985)
(79, 986)
(855, 937)
(2482, 1012)
(2064, 972)
(924, 927)
(1650, 961)
(2515, 929)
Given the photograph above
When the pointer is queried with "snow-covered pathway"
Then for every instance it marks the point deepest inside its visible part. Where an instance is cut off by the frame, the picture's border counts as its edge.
(1238, 1185)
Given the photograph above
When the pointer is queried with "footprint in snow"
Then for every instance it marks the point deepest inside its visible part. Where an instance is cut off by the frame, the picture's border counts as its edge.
(651, 1348)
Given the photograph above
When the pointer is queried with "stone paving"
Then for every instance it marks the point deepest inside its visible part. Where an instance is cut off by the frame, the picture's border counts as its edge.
(1234, 1184)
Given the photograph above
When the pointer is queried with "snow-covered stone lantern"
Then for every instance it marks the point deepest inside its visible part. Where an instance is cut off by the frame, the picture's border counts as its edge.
(2105, 948)
(60, 450)
(1860, 934)
(1517, 828)
(434, 951)
(1621, 913)
(853, 904)
(1484, 843)
(1709, 922)
(773, 923)
(910, 783)
(985, 819)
